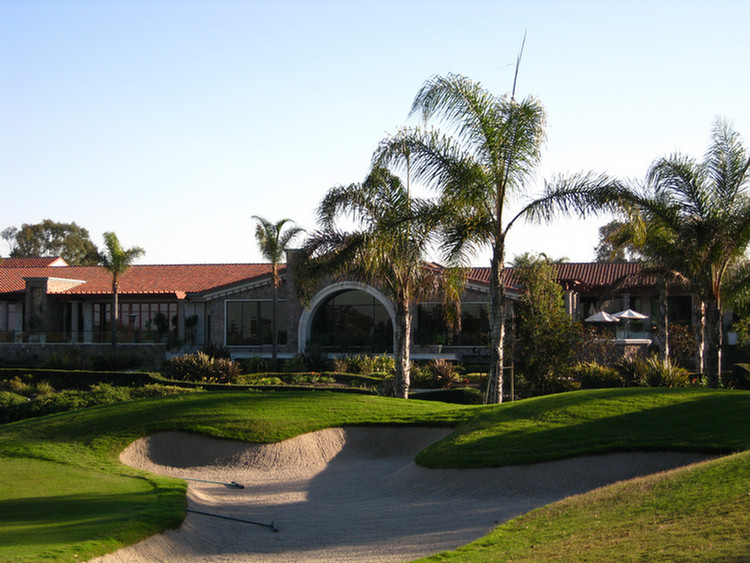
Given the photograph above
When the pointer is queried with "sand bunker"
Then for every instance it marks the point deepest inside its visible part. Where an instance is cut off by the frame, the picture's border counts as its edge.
(350, 495)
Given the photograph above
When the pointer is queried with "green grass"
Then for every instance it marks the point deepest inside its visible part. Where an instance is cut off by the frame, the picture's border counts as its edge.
(61, 510)
(597, 421)
(697, 514)
(65, 497)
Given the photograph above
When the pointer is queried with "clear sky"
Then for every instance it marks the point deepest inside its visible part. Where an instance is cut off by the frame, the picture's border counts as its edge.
(171, 123)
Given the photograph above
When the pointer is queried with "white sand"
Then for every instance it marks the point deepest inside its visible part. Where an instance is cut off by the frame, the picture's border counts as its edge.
(350, 495)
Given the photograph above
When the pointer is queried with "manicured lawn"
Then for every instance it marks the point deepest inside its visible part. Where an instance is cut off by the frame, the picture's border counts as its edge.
(64, 496)
(54, 509)
(592, 422)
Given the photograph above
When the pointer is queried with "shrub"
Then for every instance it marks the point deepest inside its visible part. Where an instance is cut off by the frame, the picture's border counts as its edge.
(255, 364)
(631, 370)
(8, 399)
(316, 358)
(15, 407)
(340, 364)
(201, 367)
(659, 375)
(106, 394)
(362, 364)
(294, 364)
(384, 364)
(44, 388)
(443, 373)
(20, 385)
(216, 351)
(592, 375)
(262, 379)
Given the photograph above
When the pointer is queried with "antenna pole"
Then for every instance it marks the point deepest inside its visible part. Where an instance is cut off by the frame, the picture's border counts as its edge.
(518, 64)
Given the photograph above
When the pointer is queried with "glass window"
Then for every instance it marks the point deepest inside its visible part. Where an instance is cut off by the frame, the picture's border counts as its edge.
(134, 316)
(353, 320)
(248, 323)
(431, 328)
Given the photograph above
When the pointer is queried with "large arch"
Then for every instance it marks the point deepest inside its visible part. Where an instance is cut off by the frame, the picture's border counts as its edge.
(304, 329)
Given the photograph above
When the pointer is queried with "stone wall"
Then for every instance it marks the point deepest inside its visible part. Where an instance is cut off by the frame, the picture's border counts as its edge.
(152, 355)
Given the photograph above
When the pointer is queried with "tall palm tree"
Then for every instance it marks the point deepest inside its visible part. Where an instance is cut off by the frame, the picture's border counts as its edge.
(117, 261)
(494, 149)
(274, 242)
(706, 207)
(701, 210)
(385, 247)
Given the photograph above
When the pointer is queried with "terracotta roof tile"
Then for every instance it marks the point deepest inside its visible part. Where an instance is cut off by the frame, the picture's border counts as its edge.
(580, 274)
(181, 279)
(155, 279)
(53, 261)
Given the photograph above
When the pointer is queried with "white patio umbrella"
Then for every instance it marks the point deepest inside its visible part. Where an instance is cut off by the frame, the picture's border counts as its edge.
(602, 317)
(629, 315)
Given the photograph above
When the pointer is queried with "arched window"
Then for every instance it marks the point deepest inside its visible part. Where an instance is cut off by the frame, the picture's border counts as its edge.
(352, 320)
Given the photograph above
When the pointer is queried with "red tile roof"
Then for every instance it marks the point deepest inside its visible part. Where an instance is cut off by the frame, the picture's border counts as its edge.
(161, 279)
(581, 275)
(181, 279)
(32, 262)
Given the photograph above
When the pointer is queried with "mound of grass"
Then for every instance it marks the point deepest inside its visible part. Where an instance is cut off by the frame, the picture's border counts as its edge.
(597, 421)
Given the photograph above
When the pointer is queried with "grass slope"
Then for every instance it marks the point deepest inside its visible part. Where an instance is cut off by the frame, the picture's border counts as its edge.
(66, 496)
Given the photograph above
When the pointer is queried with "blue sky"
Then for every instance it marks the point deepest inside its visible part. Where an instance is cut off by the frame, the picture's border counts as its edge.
(172, 123)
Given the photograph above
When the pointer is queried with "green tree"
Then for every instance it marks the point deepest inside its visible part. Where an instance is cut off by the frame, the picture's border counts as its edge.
(49, 238)
(117, 261)
(615, 243)
(494, 149)
(9, 236)
(697, 219)
(385, 247)
(273, 242)
(544, 330)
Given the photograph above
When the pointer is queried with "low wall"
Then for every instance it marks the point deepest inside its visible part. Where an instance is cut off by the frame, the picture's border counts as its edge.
(152, 355)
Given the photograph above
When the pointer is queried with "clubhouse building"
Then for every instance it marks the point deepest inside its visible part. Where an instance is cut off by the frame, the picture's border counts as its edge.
(47, 306)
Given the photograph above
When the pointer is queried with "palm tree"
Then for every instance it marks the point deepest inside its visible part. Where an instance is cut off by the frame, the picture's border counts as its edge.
(274, 242)
(706, 207)
(495, 147)
(117, 261)
(701, 214)
(386, 248)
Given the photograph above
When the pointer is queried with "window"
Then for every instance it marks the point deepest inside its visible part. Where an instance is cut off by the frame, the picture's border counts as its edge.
(248, 323)
(134, 316)
(353, 320)
(431, 328)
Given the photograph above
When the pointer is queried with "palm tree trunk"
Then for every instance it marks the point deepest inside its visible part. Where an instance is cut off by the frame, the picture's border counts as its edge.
(115, 317)
(699, 329)
(402, 349)
(664, 322)
(274, 330)
(497, 328)
(713, 343)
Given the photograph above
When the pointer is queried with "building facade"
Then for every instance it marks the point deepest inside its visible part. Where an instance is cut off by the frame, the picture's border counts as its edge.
(47, 307)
